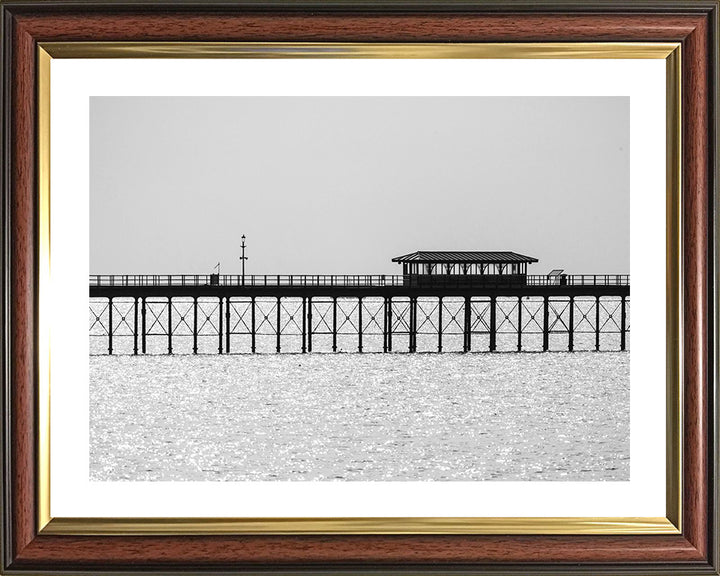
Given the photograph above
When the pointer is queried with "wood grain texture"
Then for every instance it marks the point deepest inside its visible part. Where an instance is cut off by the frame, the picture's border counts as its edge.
(688, 552)
(22, 286)
(696, 192)
(418, 550)
(359, 28)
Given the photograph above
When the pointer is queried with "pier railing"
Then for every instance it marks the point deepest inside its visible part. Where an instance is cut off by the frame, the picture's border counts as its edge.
(361, 280)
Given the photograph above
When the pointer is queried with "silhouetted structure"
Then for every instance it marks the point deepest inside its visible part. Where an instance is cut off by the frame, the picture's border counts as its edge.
(463, 268)
(438, 291)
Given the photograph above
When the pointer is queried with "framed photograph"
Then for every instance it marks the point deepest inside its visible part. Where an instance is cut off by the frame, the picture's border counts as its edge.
(359, 282)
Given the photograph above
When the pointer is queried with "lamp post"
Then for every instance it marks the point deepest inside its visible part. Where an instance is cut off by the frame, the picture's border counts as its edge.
(243, 258)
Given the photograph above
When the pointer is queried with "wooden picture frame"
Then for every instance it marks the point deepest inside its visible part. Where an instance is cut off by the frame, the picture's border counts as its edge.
(32, 544)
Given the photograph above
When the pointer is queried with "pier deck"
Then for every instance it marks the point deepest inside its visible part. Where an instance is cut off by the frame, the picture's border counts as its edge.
(356, 285)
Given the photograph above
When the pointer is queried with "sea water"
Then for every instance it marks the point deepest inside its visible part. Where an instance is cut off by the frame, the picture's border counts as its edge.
(361, 417)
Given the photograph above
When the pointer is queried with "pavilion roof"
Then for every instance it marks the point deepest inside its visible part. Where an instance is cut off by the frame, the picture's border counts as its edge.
(464, 257)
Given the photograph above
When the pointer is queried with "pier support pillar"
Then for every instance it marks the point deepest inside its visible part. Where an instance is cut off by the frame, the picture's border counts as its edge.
(309, 325)
(519, 324)
(195, 325)
(571, 325)
(467, 343)
(385, 324)
(334, 324)
(220, 325)
(135, 327)
(277, 327)
(546, 324)
(227, 325)
(169, 328)
(390, 325)
(303, 344)
(493, 324)
(597, 323)
(413, 324)
(440, 323)
(143, 316)
(410, 324)
(110, 325)
(360, 324)
(623, 322)
(303, 339)
(252, 324)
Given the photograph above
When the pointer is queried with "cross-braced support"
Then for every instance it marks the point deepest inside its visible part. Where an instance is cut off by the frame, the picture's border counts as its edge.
(432, 322)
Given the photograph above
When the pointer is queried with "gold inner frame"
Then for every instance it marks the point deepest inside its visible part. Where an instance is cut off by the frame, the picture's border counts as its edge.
(671, 524)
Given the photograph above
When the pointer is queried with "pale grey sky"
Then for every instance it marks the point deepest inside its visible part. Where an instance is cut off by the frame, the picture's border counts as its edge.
(330, 185)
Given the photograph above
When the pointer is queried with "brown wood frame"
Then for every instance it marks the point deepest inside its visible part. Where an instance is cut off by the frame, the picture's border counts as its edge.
(25, 23)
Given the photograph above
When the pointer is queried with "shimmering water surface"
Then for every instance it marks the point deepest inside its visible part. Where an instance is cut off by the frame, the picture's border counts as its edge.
(545, 416)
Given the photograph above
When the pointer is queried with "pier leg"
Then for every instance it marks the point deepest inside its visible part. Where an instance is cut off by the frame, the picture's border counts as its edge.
(169, 325)
(546, 328)
(415, 325)
(597, 323)
(519, 325)
(135, 327)
(571, 325)
(195, 325)
(252, 324)
(309, 327)
(277, 327)
(440, 323)
(410, 324)
(304, 325)
(467, 325)
(360, 320)
(143, 315)
(413, 312)
(227, 325)
(385, 324)
(334, 327)
(390, 324)
(110, 325)
(623, 322)
(493, 324)
(220, 326)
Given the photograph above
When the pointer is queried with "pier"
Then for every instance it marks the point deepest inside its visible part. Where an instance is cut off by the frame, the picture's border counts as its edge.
(479, 301)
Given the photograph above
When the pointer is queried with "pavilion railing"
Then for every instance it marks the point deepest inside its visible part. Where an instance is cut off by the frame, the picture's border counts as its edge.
(362, 280)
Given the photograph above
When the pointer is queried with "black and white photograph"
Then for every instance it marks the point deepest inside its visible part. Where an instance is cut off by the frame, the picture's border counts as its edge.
(370, 288)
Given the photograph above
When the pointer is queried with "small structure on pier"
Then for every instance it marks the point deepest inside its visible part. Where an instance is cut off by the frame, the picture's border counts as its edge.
(438, 268)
